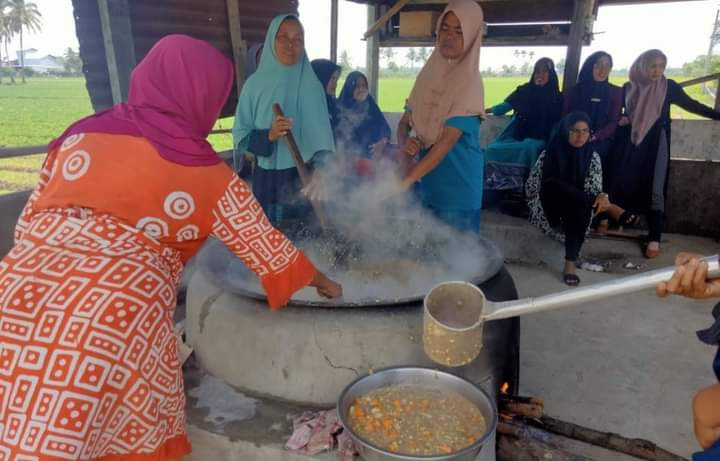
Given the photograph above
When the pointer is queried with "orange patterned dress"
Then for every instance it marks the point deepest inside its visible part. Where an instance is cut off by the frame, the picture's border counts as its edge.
(88, 358)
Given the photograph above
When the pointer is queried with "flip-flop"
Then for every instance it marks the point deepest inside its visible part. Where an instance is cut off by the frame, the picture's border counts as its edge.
(628, 219)
(571, 280)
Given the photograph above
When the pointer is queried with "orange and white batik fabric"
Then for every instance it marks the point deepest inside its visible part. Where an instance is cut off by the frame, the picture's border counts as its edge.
(88, 358)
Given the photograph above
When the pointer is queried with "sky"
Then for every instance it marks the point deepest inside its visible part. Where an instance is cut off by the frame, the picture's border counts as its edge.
(681, 29)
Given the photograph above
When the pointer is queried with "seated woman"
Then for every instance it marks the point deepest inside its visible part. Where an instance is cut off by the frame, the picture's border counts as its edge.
(536, 106)
(125, 198)
(641, 153)
(328, 73)
(284, 77)
(444, 110)
(601, 101)
(565, 188)
(362, 131)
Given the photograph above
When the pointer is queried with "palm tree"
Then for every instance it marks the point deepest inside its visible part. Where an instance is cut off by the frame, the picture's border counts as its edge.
(388, 53)
(412, 57)
(423, 55)
(4, 32)
(24, 15)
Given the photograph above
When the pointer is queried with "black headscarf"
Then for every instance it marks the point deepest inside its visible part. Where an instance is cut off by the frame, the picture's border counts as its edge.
(324, 69)
(360, 123)
(564, 162)
(590, 96)
(537, 108)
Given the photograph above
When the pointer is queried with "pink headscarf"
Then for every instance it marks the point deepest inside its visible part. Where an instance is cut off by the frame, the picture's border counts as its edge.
(645, 98)
(176, 94)
(444, 88)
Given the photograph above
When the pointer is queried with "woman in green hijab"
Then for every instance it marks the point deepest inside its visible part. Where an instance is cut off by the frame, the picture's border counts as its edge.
(286, 77)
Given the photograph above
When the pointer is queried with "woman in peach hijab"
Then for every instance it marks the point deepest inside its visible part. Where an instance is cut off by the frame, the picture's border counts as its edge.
(441, 124)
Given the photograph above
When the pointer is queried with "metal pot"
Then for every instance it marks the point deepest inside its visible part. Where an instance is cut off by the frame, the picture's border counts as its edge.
(425, 377)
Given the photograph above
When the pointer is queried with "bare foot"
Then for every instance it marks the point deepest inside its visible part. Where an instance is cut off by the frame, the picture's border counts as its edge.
(569, 267)
(652, 250)
(615, 212)
(603, 227)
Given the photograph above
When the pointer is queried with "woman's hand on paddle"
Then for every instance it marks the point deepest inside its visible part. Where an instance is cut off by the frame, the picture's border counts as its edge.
(690, 279)
(412, 147)
(624, 120)
(376, 150)
(316, 190)
(326, 287)
(281, 126)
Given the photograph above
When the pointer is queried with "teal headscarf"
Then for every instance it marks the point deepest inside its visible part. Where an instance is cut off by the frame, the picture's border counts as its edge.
(299, 93)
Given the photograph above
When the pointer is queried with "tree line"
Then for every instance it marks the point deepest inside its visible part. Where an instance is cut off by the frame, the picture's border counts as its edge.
(17, 16)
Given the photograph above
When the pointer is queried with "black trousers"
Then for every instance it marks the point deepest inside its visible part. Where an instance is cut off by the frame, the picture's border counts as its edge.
(655, 223)
(570, 208)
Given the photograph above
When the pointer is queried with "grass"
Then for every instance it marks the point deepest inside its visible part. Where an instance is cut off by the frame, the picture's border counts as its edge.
(41, 109)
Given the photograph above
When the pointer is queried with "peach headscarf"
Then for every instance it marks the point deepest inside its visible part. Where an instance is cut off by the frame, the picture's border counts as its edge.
(644, 98)
(445, 88)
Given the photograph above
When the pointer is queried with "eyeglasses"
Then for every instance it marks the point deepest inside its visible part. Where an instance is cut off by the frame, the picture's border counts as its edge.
(579, 131)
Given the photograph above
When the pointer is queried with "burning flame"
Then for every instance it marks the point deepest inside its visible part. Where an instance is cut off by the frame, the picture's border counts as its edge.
(504, 388)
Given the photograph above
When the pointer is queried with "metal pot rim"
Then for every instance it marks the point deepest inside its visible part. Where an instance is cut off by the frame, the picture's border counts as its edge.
(443, 325)
(491, 425)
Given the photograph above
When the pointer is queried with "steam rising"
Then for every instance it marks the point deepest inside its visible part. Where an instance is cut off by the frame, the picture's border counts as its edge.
(382, 245)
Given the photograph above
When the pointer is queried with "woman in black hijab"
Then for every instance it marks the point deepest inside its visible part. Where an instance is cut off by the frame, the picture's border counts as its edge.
(328, 73)
(565, 188)
(600, 100)
(536, 106)
(362, 128)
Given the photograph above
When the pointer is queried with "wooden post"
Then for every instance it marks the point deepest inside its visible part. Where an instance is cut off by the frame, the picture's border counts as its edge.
(372, 62)
(578, 30)
(239, 46)
(378, 23)
(333, 30)
(119, 45)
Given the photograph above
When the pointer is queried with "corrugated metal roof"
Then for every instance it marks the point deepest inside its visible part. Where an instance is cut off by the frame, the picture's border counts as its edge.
(152, 20)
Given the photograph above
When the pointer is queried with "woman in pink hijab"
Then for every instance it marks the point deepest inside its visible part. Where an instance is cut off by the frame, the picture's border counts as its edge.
(441, 124)
(641, 158)
(87, 294)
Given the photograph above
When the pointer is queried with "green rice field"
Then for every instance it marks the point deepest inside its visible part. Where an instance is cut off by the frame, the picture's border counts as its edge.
(41, 109)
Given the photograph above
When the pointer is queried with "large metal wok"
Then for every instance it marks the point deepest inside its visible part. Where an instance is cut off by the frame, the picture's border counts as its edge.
(475, 260)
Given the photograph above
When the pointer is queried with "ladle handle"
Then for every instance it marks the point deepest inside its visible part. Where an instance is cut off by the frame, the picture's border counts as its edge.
(593, 292)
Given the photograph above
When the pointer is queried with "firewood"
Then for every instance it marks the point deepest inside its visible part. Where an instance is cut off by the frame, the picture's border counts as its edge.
(507, 398)
(521, 431)
(639, 448)
(530, 407)
(513, 449)
(530, 410)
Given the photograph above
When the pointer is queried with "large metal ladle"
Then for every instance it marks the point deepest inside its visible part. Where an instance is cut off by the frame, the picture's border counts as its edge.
(454, 312)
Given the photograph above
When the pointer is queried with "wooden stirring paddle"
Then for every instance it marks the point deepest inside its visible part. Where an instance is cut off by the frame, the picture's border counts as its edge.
(301, 168)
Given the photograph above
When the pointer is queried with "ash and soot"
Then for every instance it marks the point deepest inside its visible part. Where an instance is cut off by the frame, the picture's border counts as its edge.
(381, 245)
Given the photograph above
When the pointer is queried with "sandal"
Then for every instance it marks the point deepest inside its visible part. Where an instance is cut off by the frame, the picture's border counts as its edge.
(571, 280)
(628, 219)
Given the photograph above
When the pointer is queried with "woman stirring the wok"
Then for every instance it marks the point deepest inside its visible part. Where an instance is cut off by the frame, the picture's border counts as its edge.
(285, 77)
(444, 111)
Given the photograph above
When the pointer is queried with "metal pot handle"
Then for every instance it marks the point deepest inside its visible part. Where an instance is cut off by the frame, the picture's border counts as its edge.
(495, 311)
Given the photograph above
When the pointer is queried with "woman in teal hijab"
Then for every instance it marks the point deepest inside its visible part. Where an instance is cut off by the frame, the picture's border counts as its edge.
(284, 76)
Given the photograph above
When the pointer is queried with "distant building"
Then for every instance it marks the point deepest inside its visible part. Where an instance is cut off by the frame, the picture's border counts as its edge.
(38, 63)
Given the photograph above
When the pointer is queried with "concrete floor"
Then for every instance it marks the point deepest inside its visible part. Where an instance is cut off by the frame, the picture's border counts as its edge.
(629, 365)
